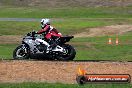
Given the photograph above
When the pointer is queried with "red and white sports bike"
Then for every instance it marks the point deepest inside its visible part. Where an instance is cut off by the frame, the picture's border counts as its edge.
(33, 47)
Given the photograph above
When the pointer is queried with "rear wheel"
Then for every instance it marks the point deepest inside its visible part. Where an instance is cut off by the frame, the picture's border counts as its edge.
(68, 54)
(21, 52)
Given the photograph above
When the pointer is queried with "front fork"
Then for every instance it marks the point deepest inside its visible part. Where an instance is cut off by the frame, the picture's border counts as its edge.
(25, 48)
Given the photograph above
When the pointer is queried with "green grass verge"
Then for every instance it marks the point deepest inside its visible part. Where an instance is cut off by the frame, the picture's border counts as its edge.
(105, 52)
(6, 51)
(57, 85)
(76, 12)
(96, 48)
(65, 26)
(91, 48)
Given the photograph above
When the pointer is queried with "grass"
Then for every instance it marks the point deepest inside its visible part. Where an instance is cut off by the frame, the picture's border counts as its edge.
(91, 48)
(105, 52)
(67, 12)
(58, 85)
(6, 51)
(96, 48)
(74, 20)
(65, 26)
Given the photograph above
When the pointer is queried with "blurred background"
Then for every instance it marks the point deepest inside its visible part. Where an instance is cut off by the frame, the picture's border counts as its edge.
(92, 22)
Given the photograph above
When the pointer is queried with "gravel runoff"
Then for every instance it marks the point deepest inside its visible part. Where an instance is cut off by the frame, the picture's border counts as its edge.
(56, 71)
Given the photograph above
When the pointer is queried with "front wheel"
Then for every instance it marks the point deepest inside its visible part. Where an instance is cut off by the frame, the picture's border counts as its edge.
(21, 52)
(68, 54)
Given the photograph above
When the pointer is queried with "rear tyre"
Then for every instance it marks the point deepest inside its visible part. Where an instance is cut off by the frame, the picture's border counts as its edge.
(68, 54)
(21, 52)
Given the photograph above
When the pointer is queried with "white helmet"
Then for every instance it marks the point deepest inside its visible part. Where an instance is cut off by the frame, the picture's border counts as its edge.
(44, 22)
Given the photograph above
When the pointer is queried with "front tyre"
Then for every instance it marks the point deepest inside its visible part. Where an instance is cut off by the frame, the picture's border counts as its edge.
(21, 52)
(68, 54)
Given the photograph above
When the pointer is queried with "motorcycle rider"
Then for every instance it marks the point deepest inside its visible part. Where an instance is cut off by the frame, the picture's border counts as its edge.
(49, 32)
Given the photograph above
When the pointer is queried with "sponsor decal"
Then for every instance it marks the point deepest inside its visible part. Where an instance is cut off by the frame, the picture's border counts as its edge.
(84, 77)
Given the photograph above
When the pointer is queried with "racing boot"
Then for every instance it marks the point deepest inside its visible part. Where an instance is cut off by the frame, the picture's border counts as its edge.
(52, 44)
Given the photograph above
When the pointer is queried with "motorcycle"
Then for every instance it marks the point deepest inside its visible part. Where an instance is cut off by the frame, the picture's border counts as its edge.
(33, 48)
